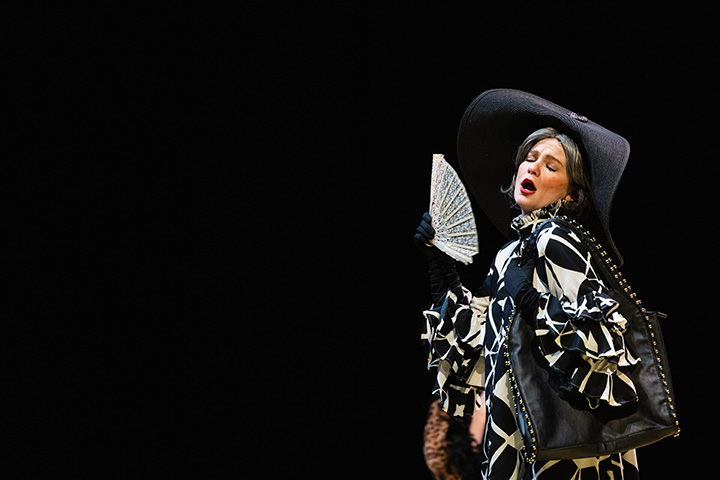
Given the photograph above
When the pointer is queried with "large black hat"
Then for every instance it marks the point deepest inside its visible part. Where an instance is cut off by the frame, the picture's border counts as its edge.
(498, 121)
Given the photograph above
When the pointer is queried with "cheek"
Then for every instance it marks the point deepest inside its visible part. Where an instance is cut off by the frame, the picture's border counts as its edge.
(556, 183)
(521, 173)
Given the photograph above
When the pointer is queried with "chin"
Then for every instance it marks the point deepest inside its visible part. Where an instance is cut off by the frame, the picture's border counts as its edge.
(524, 206)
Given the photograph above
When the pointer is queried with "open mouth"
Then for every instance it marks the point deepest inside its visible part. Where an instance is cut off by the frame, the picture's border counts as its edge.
(527, 186)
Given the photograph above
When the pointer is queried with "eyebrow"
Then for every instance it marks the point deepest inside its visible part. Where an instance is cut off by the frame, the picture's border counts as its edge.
(550, 156)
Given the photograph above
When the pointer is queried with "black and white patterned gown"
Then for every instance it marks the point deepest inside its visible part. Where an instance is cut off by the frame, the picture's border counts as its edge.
(580, 334)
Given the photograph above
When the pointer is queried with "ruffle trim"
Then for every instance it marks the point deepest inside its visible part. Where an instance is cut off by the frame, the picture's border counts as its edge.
(534, 218)
(453, 340)
(589, 350)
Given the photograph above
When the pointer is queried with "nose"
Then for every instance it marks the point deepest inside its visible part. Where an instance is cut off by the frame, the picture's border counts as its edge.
(532, 168)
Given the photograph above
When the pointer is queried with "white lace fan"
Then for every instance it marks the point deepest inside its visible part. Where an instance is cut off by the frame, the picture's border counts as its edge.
(452, 216)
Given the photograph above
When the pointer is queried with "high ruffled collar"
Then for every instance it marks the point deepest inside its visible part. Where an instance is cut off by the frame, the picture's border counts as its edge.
(525, 224)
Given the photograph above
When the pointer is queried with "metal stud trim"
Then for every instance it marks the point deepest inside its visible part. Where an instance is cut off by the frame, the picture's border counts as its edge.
(638, 302)
(531, 456)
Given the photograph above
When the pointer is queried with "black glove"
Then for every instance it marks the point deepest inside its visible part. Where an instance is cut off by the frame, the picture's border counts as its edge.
(519, 284)
(443, 275)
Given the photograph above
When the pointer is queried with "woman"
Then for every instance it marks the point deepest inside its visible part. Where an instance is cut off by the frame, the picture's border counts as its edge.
(545, 273)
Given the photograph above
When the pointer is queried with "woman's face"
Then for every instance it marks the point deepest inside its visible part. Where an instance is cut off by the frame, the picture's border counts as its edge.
(542, 178)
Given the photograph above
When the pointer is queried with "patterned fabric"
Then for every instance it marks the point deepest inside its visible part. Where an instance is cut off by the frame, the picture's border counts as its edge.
(436, 445)
(580, 334)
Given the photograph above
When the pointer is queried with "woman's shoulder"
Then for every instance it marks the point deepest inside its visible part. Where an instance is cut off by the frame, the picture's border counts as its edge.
(557, 237)
(557, 226)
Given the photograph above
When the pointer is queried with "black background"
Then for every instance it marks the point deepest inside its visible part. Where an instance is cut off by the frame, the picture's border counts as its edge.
(212, 213)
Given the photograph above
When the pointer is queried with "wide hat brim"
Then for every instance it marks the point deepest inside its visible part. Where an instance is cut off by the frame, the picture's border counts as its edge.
(498, 121)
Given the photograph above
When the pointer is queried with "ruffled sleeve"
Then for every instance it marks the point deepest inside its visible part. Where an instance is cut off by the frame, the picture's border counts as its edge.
(453, 339)
(578, 325)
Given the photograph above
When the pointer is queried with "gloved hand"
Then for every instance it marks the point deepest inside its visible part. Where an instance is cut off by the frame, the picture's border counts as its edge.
(424, 233)
(443, 275)
(519, 284)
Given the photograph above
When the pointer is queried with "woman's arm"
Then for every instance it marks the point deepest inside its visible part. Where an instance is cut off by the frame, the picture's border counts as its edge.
(477, 424)
(453, 339)
(443, 274)
(454, 330)
(577, 322)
